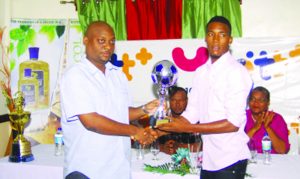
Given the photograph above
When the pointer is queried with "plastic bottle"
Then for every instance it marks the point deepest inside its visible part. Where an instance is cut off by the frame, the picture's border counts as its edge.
(266, 147)
(58, 140)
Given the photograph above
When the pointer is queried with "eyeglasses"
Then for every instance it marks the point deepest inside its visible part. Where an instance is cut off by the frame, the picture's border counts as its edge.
(261, 100)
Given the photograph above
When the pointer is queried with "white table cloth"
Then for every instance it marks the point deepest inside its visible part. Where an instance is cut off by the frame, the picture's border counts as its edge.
(48, 166)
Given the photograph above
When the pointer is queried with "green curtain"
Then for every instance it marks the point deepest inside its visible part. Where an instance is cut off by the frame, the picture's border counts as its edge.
(196, 13)
(111, 11)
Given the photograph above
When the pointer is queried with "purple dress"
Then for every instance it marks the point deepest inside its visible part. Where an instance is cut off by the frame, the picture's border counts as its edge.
(278, 125)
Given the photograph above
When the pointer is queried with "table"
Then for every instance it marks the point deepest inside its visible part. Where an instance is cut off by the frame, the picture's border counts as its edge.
(45, 165)
(48, 166)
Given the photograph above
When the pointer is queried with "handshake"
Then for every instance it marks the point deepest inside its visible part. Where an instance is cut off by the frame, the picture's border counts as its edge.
(146, 135)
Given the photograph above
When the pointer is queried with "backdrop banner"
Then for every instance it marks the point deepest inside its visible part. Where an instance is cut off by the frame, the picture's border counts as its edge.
(272, 62)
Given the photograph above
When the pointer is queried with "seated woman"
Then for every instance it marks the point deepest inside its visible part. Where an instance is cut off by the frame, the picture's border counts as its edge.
(261, 121)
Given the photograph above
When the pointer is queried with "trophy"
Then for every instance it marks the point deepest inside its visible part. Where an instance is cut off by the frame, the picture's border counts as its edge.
(21, 147)
(164, 75)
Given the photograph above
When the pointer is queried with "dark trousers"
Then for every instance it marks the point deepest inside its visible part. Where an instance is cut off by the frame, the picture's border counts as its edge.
(76, 175)
(234, 171)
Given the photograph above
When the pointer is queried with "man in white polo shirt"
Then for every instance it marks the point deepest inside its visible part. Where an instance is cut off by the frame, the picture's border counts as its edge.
(96, 112)
(218, 100)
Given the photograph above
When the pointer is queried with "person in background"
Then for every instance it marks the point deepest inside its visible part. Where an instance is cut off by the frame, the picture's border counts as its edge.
(260, 121)
(96, 110)
(218, 100)
(170, 142)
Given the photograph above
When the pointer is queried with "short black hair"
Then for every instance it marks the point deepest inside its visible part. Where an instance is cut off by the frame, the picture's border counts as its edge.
(220, 19)
(174, 89)
(262, 89)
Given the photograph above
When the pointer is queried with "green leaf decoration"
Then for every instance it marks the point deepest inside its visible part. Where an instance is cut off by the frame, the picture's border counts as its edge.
(12, 64)
(21, 47)
(180, 165)
(17, 34)
(11, 47)
(77, 28)
(21, 38)
(30, 37)
(60, 29)
(25, 27)
(168, 168)
(49, 31)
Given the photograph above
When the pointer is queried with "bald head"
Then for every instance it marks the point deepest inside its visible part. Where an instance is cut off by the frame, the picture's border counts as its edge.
(99, 41)
(96, 26)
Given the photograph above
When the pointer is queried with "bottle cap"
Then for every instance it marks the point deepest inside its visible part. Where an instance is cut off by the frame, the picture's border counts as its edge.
(33, 53)
(27, 72)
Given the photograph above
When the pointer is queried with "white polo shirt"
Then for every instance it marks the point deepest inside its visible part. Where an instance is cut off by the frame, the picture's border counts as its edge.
(219, 92)
(85, 89)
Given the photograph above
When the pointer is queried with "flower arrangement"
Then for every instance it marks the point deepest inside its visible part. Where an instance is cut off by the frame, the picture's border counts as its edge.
(181, 164)
(5, 71)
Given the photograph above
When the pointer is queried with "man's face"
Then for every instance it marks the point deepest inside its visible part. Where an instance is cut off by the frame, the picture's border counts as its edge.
(100, 44)
(178, 102)
(217, 39)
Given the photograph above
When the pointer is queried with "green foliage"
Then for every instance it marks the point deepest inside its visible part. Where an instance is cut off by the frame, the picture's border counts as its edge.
(12, 64)
(77, 28)
(23, 37)
(168, 168)
(52, 30)
(22, 46)
(60, 29)
(11, 47)
(180, 164)
(49, 31)
(25, 27)
(17, 34)
(30, 37)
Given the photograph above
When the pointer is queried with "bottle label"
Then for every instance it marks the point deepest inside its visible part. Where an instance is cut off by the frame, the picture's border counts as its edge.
(39, 75)
(266, 145)
(58, 139)
(29, 94)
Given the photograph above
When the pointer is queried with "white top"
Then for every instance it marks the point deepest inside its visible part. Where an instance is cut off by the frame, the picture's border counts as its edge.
(85, 89)
(220, 92)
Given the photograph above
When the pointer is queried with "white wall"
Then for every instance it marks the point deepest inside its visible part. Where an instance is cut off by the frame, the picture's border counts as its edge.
(271, 18)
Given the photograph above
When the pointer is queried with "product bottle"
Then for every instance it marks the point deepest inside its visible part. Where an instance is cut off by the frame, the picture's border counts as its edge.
(40, 69)
(29, 85)
(266, 147)
(58, 140)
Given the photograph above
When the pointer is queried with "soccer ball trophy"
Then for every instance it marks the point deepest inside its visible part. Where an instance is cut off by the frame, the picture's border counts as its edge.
(164, 75)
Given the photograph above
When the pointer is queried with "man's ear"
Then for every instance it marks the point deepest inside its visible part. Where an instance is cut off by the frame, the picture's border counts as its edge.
(230, 40)
(85, 40)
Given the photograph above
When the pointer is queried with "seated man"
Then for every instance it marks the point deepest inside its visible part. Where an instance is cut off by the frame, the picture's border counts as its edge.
(169, 143)
(261, 121)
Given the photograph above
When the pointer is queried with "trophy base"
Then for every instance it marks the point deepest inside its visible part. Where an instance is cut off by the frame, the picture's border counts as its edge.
(17, 159)
(21, 151)
(161, 121)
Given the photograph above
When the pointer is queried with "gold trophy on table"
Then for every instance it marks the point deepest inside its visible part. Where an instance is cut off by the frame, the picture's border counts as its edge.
(21, 147)
(164, 75)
